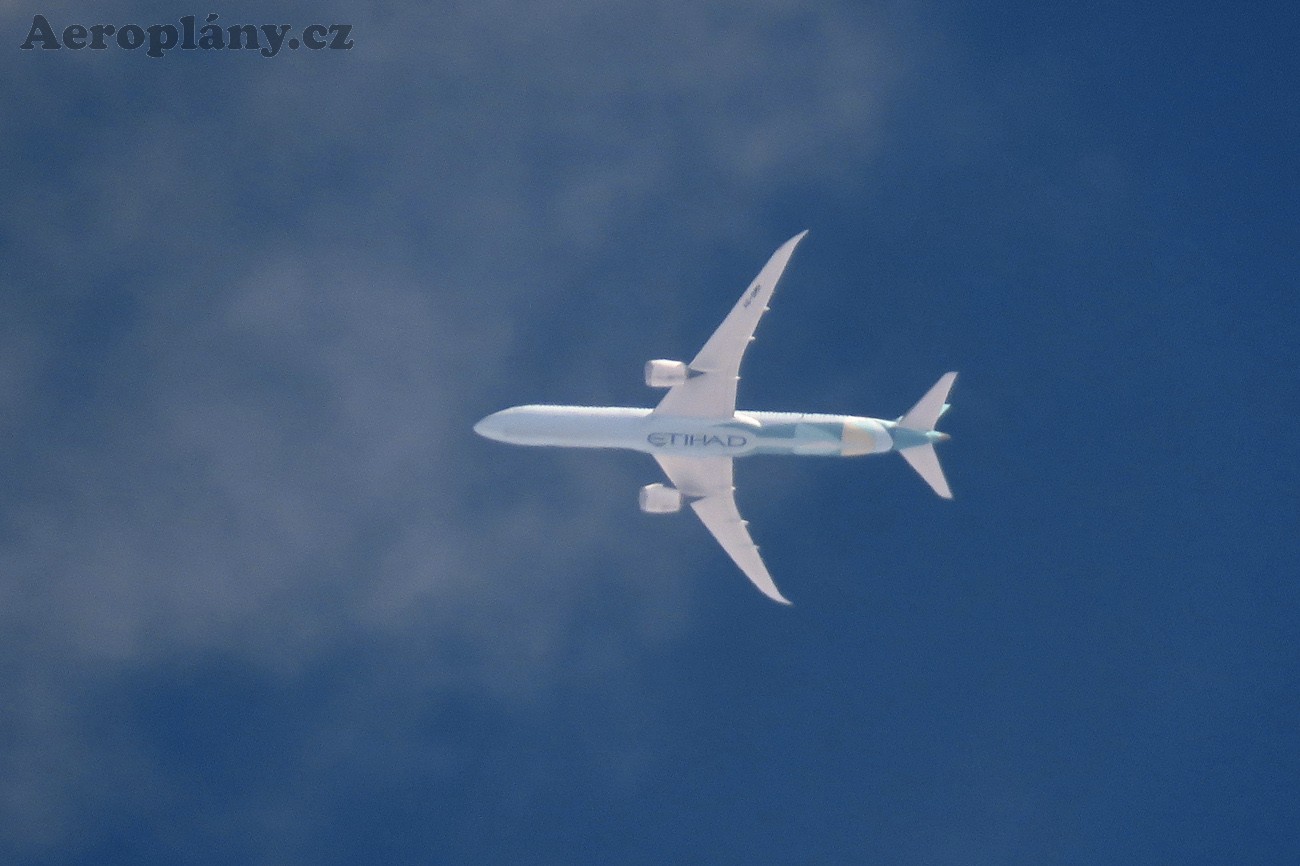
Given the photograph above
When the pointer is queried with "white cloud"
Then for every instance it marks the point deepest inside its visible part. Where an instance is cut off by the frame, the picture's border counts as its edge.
(314, 270)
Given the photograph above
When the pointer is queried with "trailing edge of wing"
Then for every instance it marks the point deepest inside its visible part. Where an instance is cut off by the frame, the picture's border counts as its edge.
(712, 394)
(708, 480)
(720, 516)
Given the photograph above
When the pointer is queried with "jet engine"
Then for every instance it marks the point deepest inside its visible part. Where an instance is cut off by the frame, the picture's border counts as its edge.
(660, 499)
(665, 374)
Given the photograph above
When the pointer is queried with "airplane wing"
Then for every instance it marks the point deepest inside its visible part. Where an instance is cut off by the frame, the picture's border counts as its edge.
(707, 482)
(711, 393)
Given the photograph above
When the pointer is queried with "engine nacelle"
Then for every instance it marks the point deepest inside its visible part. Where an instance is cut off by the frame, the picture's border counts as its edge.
(665, 374)
(660, 499)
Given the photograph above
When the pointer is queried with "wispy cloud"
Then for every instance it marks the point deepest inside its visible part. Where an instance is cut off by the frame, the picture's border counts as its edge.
(250, 311)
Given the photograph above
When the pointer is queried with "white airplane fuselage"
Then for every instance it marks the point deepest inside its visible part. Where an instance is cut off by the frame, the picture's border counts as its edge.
(745, 433)
(695, 431)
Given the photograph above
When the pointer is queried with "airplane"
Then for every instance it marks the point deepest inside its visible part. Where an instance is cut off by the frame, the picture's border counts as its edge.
(696, 432)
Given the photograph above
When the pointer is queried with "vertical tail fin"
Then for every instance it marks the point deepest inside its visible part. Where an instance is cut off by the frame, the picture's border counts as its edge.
(925, 414)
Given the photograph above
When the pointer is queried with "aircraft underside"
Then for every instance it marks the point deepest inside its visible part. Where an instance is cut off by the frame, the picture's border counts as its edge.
(695, 432)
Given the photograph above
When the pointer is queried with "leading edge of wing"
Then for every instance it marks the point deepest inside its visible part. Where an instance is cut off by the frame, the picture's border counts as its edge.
(708, 481)
(711, 393)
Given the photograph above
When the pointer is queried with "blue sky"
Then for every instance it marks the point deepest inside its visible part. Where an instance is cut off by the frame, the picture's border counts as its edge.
(265, 598)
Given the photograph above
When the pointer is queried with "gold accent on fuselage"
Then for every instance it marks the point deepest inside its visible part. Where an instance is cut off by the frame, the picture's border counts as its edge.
(859, 439)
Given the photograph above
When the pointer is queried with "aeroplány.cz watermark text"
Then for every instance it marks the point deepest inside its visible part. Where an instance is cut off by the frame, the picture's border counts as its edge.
(267, 39)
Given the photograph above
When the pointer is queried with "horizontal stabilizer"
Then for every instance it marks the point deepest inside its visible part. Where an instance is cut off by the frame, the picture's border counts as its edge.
(926, 463)
(925, 414)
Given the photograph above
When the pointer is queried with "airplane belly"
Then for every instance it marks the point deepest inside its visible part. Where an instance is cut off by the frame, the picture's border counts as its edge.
(815, 439)
(564, 426)
(681, 437)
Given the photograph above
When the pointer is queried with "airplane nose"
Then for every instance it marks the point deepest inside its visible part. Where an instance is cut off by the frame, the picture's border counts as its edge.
(490, 427)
